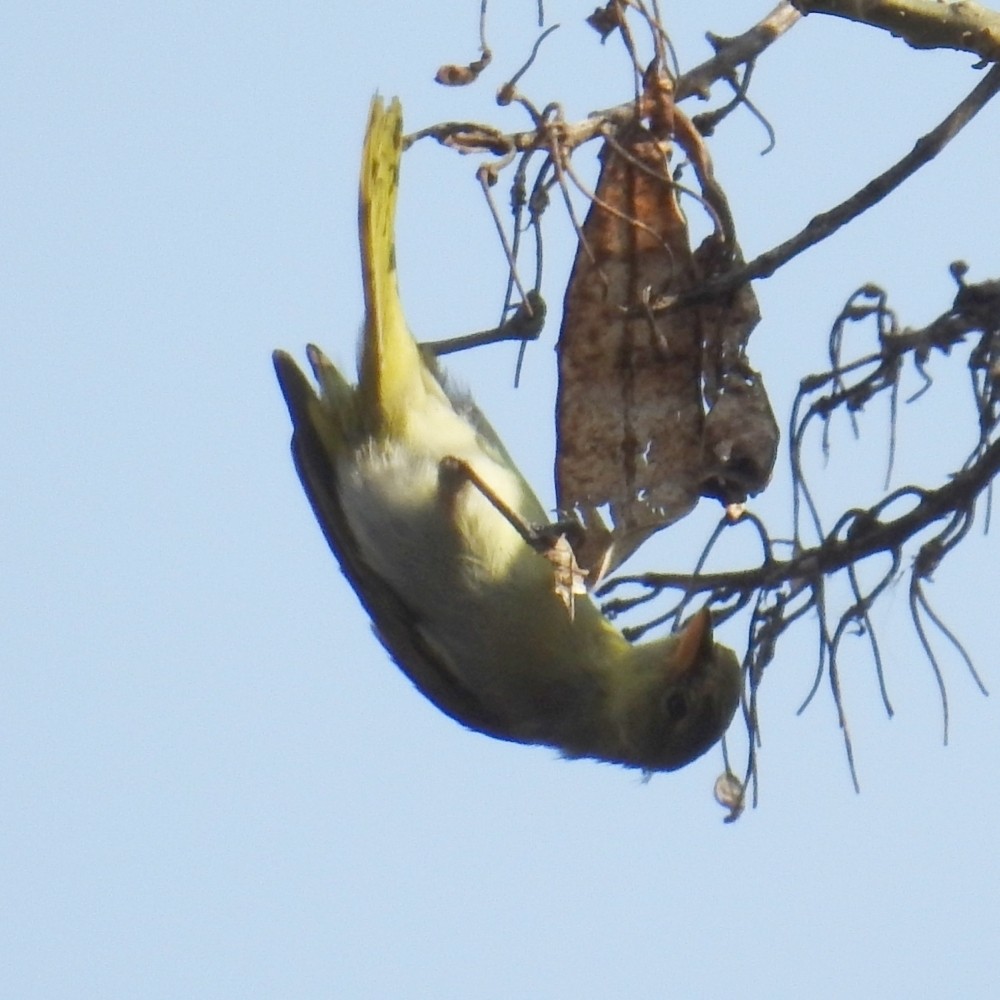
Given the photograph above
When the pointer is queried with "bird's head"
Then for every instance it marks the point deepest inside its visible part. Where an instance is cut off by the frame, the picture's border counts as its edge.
(678, 698)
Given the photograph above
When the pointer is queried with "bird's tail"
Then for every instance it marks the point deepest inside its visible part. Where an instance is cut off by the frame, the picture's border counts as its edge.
(392, 376)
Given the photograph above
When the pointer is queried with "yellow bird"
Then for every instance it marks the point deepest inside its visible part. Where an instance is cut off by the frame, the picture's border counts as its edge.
(443, 541)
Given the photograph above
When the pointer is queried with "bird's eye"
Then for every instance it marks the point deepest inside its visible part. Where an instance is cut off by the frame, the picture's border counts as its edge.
(677, 706)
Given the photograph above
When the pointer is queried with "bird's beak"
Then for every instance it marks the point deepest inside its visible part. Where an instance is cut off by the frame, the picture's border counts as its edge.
(694, 643)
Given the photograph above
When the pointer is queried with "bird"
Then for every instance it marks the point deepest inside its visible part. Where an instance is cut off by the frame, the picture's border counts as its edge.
(470, 589)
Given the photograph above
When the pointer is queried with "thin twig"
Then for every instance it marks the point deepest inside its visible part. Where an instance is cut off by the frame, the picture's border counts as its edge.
(827, 223)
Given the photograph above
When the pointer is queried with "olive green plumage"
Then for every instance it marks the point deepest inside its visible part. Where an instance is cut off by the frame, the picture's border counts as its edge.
(464, 604)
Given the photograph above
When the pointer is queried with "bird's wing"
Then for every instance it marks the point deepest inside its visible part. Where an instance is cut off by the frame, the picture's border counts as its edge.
(397, 625)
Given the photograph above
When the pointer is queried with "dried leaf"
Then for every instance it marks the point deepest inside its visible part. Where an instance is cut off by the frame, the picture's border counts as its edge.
(657, 405)
(741, 434)
(606, 19)
(568, 579)
(731, 795)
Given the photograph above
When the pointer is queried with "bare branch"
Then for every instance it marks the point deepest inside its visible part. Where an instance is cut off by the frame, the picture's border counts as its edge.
(867, 536)
(741, 50)
(827, 223)
(731, 53)
(922, 24)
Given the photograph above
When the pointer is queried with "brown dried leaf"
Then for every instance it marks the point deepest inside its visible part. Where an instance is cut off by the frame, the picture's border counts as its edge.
(636, 377)
(606, 19)
(741, 434)
(629, 407)
(454, 75)
(568, 578)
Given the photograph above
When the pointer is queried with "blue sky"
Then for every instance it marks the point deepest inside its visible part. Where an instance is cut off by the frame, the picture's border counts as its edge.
(213, 782)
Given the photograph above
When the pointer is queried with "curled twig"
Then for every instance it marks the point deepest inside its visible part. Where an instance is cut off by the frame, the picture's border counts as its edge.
(783, 590)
